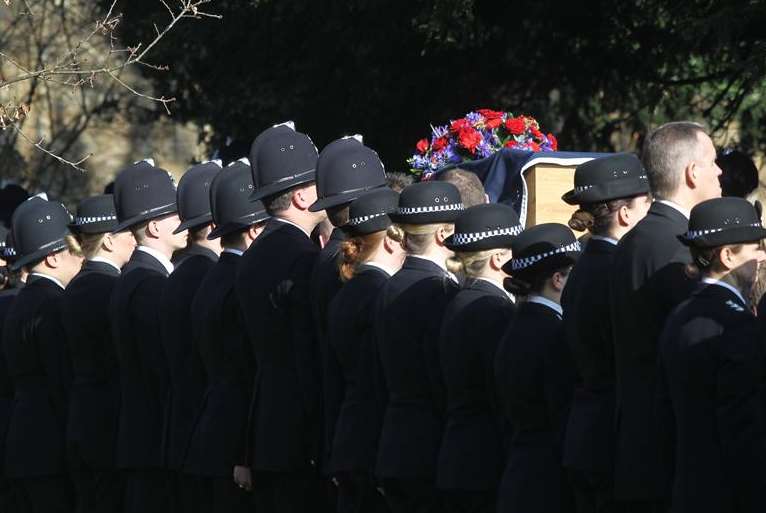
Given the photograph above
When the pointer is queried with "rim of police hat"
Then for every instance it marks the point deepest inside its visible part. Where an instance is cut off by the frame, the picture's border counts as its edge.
(126, 180)
(542, 247)
(193, 195)
(607, 178)
(482, 227)
(95, 214)
(9, 250)
(230, 202)
(42, 225)
(722, 221)
(279, 128)
(287, 157)
(370, 212)
(428, 203)
(346, 169)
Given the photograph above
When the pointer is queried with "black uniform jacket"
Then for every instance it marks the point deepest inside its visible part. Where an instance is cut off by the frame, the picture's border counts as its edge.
(589, 445)
(187, 377)
(6, 388)
(38, 365)
(352, 344)
(94, 402)
(273, 290)
(409, 317)
(135, 318)
(325, 284)
(220, 339)
(648, 281)
(712, 360)
(534, 374)
(471, 455)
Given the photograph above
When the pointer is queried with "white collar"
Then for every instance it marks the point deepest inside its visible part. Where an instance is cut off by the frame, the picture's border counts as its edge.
(104, 260)
(676, 206)
(233, 251)
(51, 278)
(440, 263)
(292, 223)
(605, 239)
(499, 286)
(540, 300)
(161, 258)
(380, 266)
(711, 281)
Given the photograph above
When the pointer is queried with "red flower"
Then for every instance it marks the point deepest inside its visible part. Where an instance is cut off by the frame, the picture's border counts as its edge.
(440, 143)
(422, 146)
(459, 124)
(537, 134)
(492, 118)
(515, 126)
(534, 146)
(554, 142)
(510, 143)
(469, 138)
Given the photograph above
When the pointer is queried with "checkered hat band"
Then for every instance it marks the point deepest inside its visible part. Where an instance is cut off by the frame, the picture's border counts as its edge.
(96, 219)
(9, 251)
(356, 221)
(462, 239)
(431, 208)
(696, 234)
(582, 188)
(525, 262)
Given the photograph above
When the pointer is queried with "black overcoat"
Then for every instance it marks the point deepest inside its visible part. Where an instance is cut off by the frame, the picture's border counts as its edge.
(6, 387)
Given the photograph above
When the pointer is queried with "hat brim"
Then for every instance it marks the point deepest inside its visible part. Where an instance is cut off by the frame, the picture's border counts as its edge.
(194, 222)
(37, 255)
(445, 216)
(276, 188)
(372, 226)
(339, 199)
(547, 264)
(608, 191)
(495, 242)
(238, 224)
(133, 221)
(738, 235)
(94, 228)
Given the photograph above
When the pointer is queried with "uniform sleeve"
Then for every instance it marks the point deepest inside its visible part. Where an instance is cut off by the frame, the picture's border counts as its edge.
(54, 356)
(146, 309)
(558, 381)
(443, 292)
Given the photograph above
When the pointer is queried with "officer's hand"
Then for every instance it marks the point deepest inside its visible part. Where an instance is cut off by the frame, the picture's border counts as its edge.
(243, 477)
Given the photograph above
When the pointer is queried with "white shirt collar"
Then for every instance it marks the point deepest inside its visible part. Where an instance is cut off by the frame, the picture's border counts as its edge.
(605, 239)
(48, 277)
(161, 258)
(104, 260)
(499, 286)
(381, 267)
(711, 281)
(540, 300)
(440, 262)
(233, 251)
(676, 206)
(292, 223)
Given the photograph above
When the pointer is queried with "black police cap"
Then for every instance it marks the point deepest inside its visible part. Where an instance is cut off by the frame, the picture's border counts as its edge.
(143, 192)
(608, 178)
(193, 195)
(428, 203)
(284, 159)
(721, 221)
(487, 226)
(230, 200)
(39, 228)
(542, 248)
(95, 214)
(370, 212)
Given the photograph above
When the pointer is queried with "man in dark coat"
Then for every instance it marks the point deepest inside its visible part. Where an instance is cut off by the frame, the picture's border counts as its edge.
(217, 445)
(94, 403)
(34, 347)
(647, 283)
(711, 363)
(145, 201)
(187, 377)
(273, 290)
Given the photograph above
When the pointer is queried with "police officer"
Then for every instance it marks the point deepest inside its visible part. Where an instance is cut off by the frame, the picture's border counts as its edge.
(711, 359)
(217, 444)
(95, 396)
(369, 257)
(534, 373)
(34, 347)
(7, 295)
(407, 326)
(145, 201)
(187, 377)
(470, 458)
(613, 195)
(273, 289)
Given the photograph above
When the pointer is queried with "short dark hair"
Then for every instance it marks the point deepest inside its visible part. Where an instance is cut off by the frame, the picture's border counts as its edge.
(198, 233)
(279, 202)
(233, 238)
(666, 148)
(468, 183)
(739, 176)
(398, 181)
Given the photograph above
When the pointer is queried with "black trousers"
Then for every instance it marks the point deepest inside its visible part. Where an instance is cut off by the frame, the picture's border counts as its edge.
(43, 495)
(412, 496)
(98, 491)
(460, 501)
(593, 492)
(357, 493)
(288, 492)
(146, 491)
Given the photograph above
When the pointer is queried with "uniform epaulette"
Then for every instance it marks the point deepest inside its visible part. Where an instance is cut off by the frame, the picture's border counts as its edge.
(734, 306)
